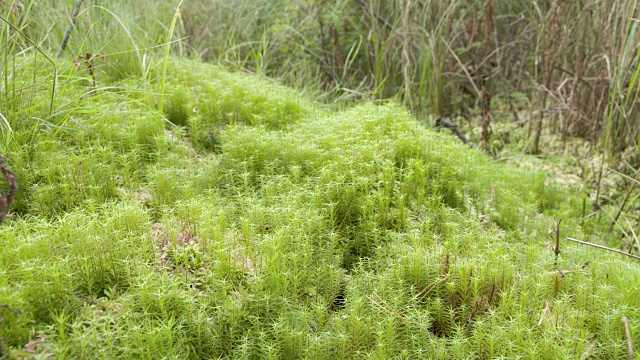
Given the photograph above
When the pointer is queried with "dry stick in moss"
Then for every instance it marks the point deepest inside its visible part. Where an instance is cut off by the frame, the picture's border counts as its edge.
(627, 330)
(556, 251)
(603, 247)
(74, 17)
(406, 59)
(425, 292)
(343, 219)
(12, 188)
(626, 198)
(384, 306)
(556, 233)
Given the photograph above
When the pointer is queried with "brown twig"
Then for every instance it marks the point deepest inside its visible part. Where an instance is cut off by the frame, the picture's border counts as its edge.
(17, 312)
(441, 123)
(547, 310)
(422, 294)
(12, 188)
(88, 60)
(562, 273)
(604, 248)
(386, 307)
(579, 78)
(406, 59)
(556, 250)
(627, 330)
(626, 198)
(344, 218)
(464, 69)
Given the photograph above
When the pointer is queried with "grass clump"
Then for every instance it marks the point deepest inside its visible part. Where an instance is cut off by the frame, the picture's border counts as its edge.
(305, 234)
(86, 153)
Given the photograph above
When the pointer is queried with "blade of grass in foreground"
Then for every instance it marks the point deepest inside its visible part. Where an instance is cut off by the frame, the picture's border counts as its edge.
(166, 57)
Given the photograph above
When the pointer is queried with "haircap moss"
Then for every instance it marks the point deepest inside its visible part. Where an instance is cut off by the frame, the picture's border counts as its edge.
(263, 226)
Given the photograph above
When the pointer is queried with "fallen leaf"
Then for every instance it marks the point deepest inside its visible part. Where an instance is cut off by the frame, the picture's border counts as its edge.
(30, 347)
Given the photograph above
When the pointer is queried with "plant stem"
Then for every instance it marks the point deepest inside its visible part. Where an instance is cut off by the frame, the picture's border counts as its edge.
(604, 248)
(627, 330)
(67, 34)
(556, 250)
(166, 56)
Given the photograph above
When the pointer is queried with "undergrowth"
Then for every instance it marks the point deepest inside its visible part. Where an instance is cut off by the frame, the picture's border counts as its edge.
(248, 222)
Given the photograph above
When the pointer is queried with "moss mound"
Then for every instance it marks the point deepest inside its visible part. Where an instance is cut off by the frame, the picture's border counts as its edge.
(264, 227)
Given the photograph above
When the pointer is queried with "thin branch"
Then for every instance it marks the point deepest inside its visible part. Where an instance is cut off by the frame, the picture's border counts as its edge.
(464, 68)
(386, 307)
(67, 34)
(626, 198)
(12, 188)
(582, 80)
(344, 218)
(556, 250)
(627, 330)
(441, 123)
(603, 248)
(4, 306)
(422, 294)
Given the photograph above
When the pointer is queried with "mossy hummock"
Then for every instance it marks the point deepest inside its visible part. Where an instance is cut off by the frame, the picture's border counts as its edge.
(255, 224)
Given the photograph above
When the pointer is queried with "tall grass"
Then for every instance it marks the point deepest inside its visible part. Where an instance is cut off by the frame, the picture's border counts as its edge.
(435, 55)
(574, 62)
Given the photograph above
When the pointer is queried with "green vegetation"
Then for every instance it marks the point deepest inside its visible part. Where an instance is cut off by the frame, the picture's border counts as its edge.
(301, 233)
(246, 220)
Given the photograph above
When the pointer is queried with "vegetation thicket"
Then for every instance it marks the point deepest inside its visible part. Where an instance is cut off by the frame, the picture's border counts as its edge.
(246, 219)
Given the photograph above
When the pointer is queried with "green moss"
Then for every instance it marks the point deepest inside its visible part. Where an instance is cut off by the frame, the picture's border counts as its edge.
(207, 98)
(305, 234)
